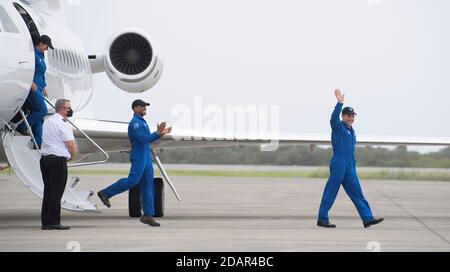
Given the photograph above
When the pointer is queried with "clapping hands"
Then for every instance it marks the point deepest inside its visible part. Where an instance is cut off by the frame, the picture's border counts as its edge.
(162, 130)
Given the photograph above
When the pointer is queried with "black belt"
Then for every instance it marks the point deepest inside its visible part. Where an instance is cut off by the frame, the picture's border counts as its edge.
(53, 157)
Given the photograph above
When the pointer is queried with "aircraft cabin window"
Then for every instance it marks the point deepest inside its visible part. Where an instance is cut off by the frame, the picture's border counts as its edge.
(6, 22)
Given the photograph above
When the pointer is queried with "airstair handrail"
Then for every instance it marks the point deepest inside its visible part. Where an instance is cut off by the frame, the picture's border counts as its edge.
(165, 175)
(87, 137)
(30, 130)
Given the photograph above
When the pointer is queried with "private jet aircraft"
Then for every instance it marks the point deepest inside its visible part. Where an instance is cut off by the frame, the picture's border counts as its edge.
(133, 63)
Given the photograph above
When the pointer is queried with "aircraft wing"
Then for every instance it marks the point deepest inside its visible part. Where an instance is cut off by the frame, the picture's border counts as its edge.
(112, 136)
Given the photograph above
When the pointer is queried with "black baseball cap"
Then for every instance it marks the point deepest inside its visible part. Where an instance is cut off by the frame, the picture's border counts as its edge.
(139, 103)
(45, 40)
(349, 111)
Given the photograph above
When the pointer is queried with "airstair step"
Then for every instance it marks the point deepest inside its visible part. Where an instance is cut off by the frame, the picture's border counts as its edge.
(25, 162)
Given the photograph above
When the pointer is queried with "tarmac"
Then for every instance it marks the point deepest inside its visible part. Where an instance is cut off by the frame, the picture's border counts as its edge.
(237, 215)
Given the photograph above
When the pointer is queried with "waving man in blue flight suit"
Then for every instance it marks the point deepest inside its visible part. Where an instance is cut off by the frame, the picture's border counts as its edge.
(343, 168)
(35, 100)
(141, 171)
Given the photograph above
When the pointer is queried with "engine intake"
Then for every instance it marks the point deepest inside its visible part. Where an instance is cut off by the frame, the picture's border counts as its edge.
(131, 54)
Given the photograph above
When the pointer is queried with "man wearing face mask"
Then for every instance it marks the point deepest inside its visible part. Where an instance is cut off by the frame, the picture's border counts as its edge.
(58, 147)
(343, 167)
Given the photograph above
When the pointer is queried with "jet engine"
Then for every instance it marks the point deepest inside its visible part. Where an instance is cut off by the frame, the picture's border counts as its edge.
(132, 61)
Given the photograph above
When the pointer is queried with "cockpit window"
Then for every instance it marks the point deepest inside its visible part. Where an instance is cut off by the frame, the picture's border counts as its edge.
(6, 24)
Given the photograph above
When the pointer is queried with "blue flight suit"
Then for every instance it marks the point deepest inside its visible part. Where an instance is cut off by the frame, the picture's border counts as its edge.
(141, 171)
(35, 101)
(343, 170)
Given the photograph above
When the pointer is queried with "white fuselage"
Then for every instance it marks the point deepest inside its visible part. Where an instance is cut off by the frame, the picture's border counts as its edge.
(17, 62)
(68, 73)
(68, 69)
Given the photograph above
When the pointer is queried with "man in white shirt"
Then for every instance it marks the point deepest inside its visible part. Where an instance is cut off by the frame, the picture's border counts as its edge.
(58, 147)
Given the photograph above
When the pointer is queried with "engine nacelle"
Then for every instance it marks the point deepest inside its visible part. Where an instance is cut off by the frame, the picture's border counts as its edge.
(132, 61)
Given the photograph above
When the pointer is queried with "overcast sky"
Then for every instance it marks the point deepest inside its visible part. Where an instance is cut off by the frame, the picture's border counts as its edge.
(390, 57)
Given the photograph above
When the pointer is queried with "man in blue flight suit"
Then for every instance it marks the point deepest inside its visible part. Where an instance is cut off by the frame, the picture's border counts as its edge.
(343, 168)
(141, 171)
(35, 101)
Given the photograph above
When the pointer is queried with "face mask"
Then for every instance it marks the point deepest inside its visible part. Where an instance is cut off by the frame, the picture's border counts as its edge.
(69, 113)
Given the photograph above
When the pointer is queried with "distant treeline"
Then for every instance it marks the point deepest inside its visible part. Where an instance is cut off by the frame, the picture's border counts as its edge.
(300, 155)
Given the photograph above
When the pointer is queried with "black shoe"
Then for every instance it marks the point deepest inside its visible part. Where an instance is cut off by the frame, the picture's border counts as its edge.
(149, 221)
(326, 224)
(33, 146)
(104, 199)
(373, 222)
(55, 227)
(23, 132)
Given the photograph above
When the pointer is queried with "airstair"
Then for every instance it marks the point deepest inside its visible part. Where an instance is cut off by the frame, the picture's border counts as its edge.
(24, 160)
